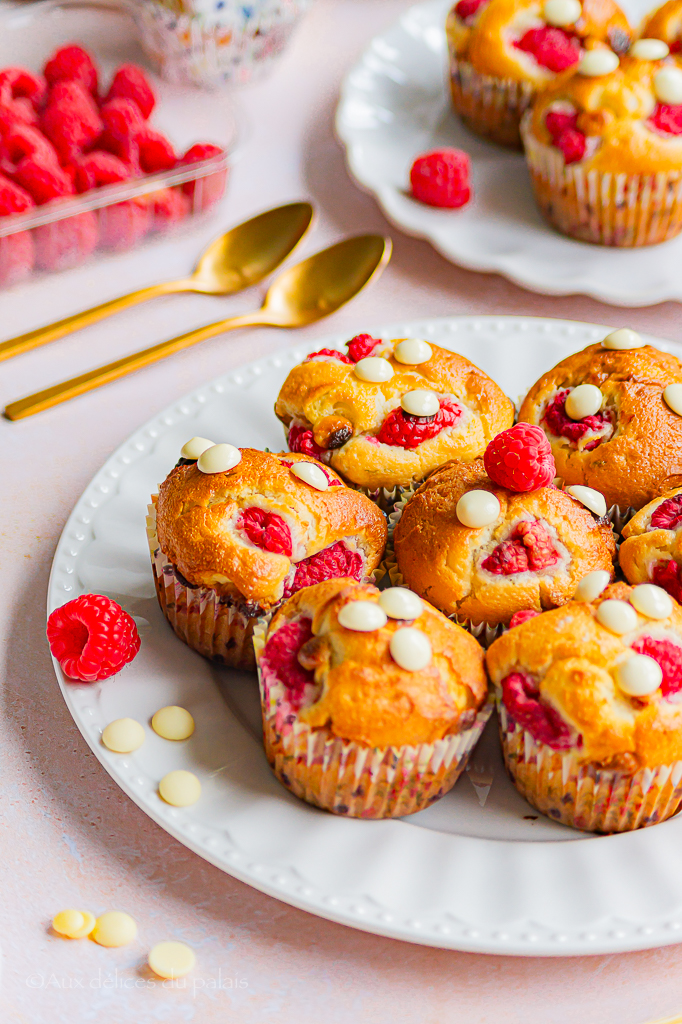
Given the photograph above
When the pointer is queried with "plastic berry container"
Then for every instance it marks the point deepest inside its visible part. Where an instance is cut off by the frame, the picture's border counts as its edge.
(71, 231)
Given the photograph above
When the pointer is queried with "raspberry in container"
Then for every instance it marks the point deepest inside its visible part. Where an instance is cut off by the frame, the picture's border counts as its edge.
(97, 155)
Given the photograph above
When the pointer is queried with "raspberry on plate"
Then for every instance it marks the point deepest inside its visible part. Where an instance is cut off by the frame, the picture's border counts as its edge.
(130, 82)
(92, 638)
(520, 458)
(206, 191)
(66, 243)
(72, 64)
(441, 178)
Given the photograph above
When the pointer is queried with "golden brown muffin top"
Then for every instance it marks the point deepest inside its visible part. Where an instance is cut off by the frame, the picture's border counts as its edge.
(652, 547)
(362, 693)
(665, 23)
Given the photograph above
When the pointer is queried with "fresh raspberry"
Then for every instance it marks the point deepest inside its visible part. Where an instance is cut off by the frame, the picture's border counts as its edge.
(302, 441)
(280, 656)
(667, 515)
(19, 83)
(525, 615)
(558, 121)
(156, 152)
(13, 198)
(72, 64)
(66, 243)
(71, 122)
(121, 120)
(17, 257)
(335, 562)
(441, 178)
(361, 347)
(92, 638)
(14, 113)
(667, 118)
(668, 575)
(466, 9)
(676, 46)
(520, 458)
(168, 206)
(572, 144)
(43, 181)
(406, 431)
(669, 657)
(205, 191)
(266, 530)
(123, 225)
(521, 698)
(552, 47)
(97, 169)
(22, 141)
(330, 353)
(529, 548)
(130, 82)
(561, 425)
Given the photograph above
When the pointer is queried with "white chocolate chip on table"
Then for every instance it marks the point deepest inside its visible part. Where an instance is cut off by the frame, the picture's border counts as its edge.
(624, 338)
(668, 85)
(412, 351)
(649, 49)
(652, 601)
(672, 396)
(362, 616)
(310, 474)
(114, 929)
(373, 370)
(411, 649)
(195, 447)
(401, 603)
(585, 400)
(598, 62)
(173, 723)
(591, 499)
(477, 508)
(639, 675)
(171, 959)
(617, 616)
(73, 924)
(420, 402)
(123, 736)
(220, 458)
(561, 12)
(180, 788)
(592, 585)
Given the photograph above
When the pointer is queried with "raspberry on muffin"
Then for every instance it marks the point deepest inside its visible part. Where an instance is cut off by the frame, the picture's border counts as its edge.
(372, 702)
(606, 418)
(590, 709)
(503, 52)
(389, 412)
(651, 551)
(234, 532)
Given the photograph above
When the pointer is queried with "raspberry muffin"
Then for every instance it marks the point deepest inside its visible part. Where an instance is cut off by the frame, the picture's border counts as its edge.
(483, 551)
(591, 710)
(610, 428)
(503, 52)
(666, 24)
(604, 147)
(652, 546)
(372, 702)
(233, 532)
(389, 412)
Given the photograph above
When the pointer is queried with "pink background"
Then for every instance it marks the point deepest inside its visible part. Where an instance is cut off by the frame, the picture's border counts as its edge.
(69, 836)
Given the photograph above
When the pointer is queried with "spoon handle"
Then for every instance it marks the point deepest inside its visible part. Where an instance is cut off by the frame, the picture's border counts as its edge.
(41, 335)
(68, 389)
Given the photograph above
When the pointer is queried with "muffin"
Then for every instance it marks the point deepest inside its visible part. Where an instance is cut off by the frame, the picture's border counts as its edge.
(503, 52)
(389, 412)
(626, 442)
(665, 23)
(604, 148)
(651, 551)
(528, 551)
(232, 532)
(371, 702)
(590, 708)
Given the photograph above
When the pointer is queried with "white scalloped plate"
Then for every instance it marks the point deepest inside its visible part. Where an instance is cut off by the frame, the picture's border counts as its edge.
(477, 871)
(395, 104)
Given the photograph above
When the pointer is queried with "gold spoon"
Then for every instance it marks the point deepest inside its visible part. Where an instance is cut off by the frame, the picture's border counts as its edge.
(238, 259)
(297, 297)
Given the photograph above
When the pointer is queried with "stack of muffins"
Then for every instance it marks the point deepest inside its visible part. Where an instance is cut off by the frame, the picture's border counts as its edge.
(599, 116)
(372, 661)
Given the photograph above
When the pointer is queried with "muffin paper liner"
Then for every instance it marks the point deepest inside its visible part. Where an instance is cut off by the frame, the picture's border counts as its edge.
(349, 778)
(623, 210)
(582, 795)
(217, 630)
(492, 107)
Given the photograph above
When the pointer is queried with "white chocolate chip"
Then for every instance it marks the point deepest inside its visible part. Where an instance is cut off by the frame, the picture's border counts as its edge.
(592, 585)
(477, 508)
(624, 337)
(412, 351)
(598, 62)
(310, 474)
(219, 459)
(114, 929)
(180, 788)
(400, 603)
(649, 49)
(672, 396)
(171, 959)
(411, 649)
(373, 369)
(652, 601)
(123, 736)
(617, 616)
(591, 499)
(362, 616)
(173, 723)
(668, 85)
(585, 400)
(561, 12)
(195, 447)
(420, 402)
(639, 675)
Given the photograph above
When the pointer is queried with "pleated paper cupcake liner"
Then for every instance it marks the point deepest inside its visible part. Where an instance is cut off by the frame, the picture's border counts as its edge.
(491, 107)
(209, 625)
(349, 778)
(622, 210)
(585, 796)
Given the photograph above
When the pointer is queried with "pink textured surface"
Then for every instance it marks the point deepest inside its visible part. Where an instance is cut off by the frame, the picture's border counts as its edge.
(69, 837)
